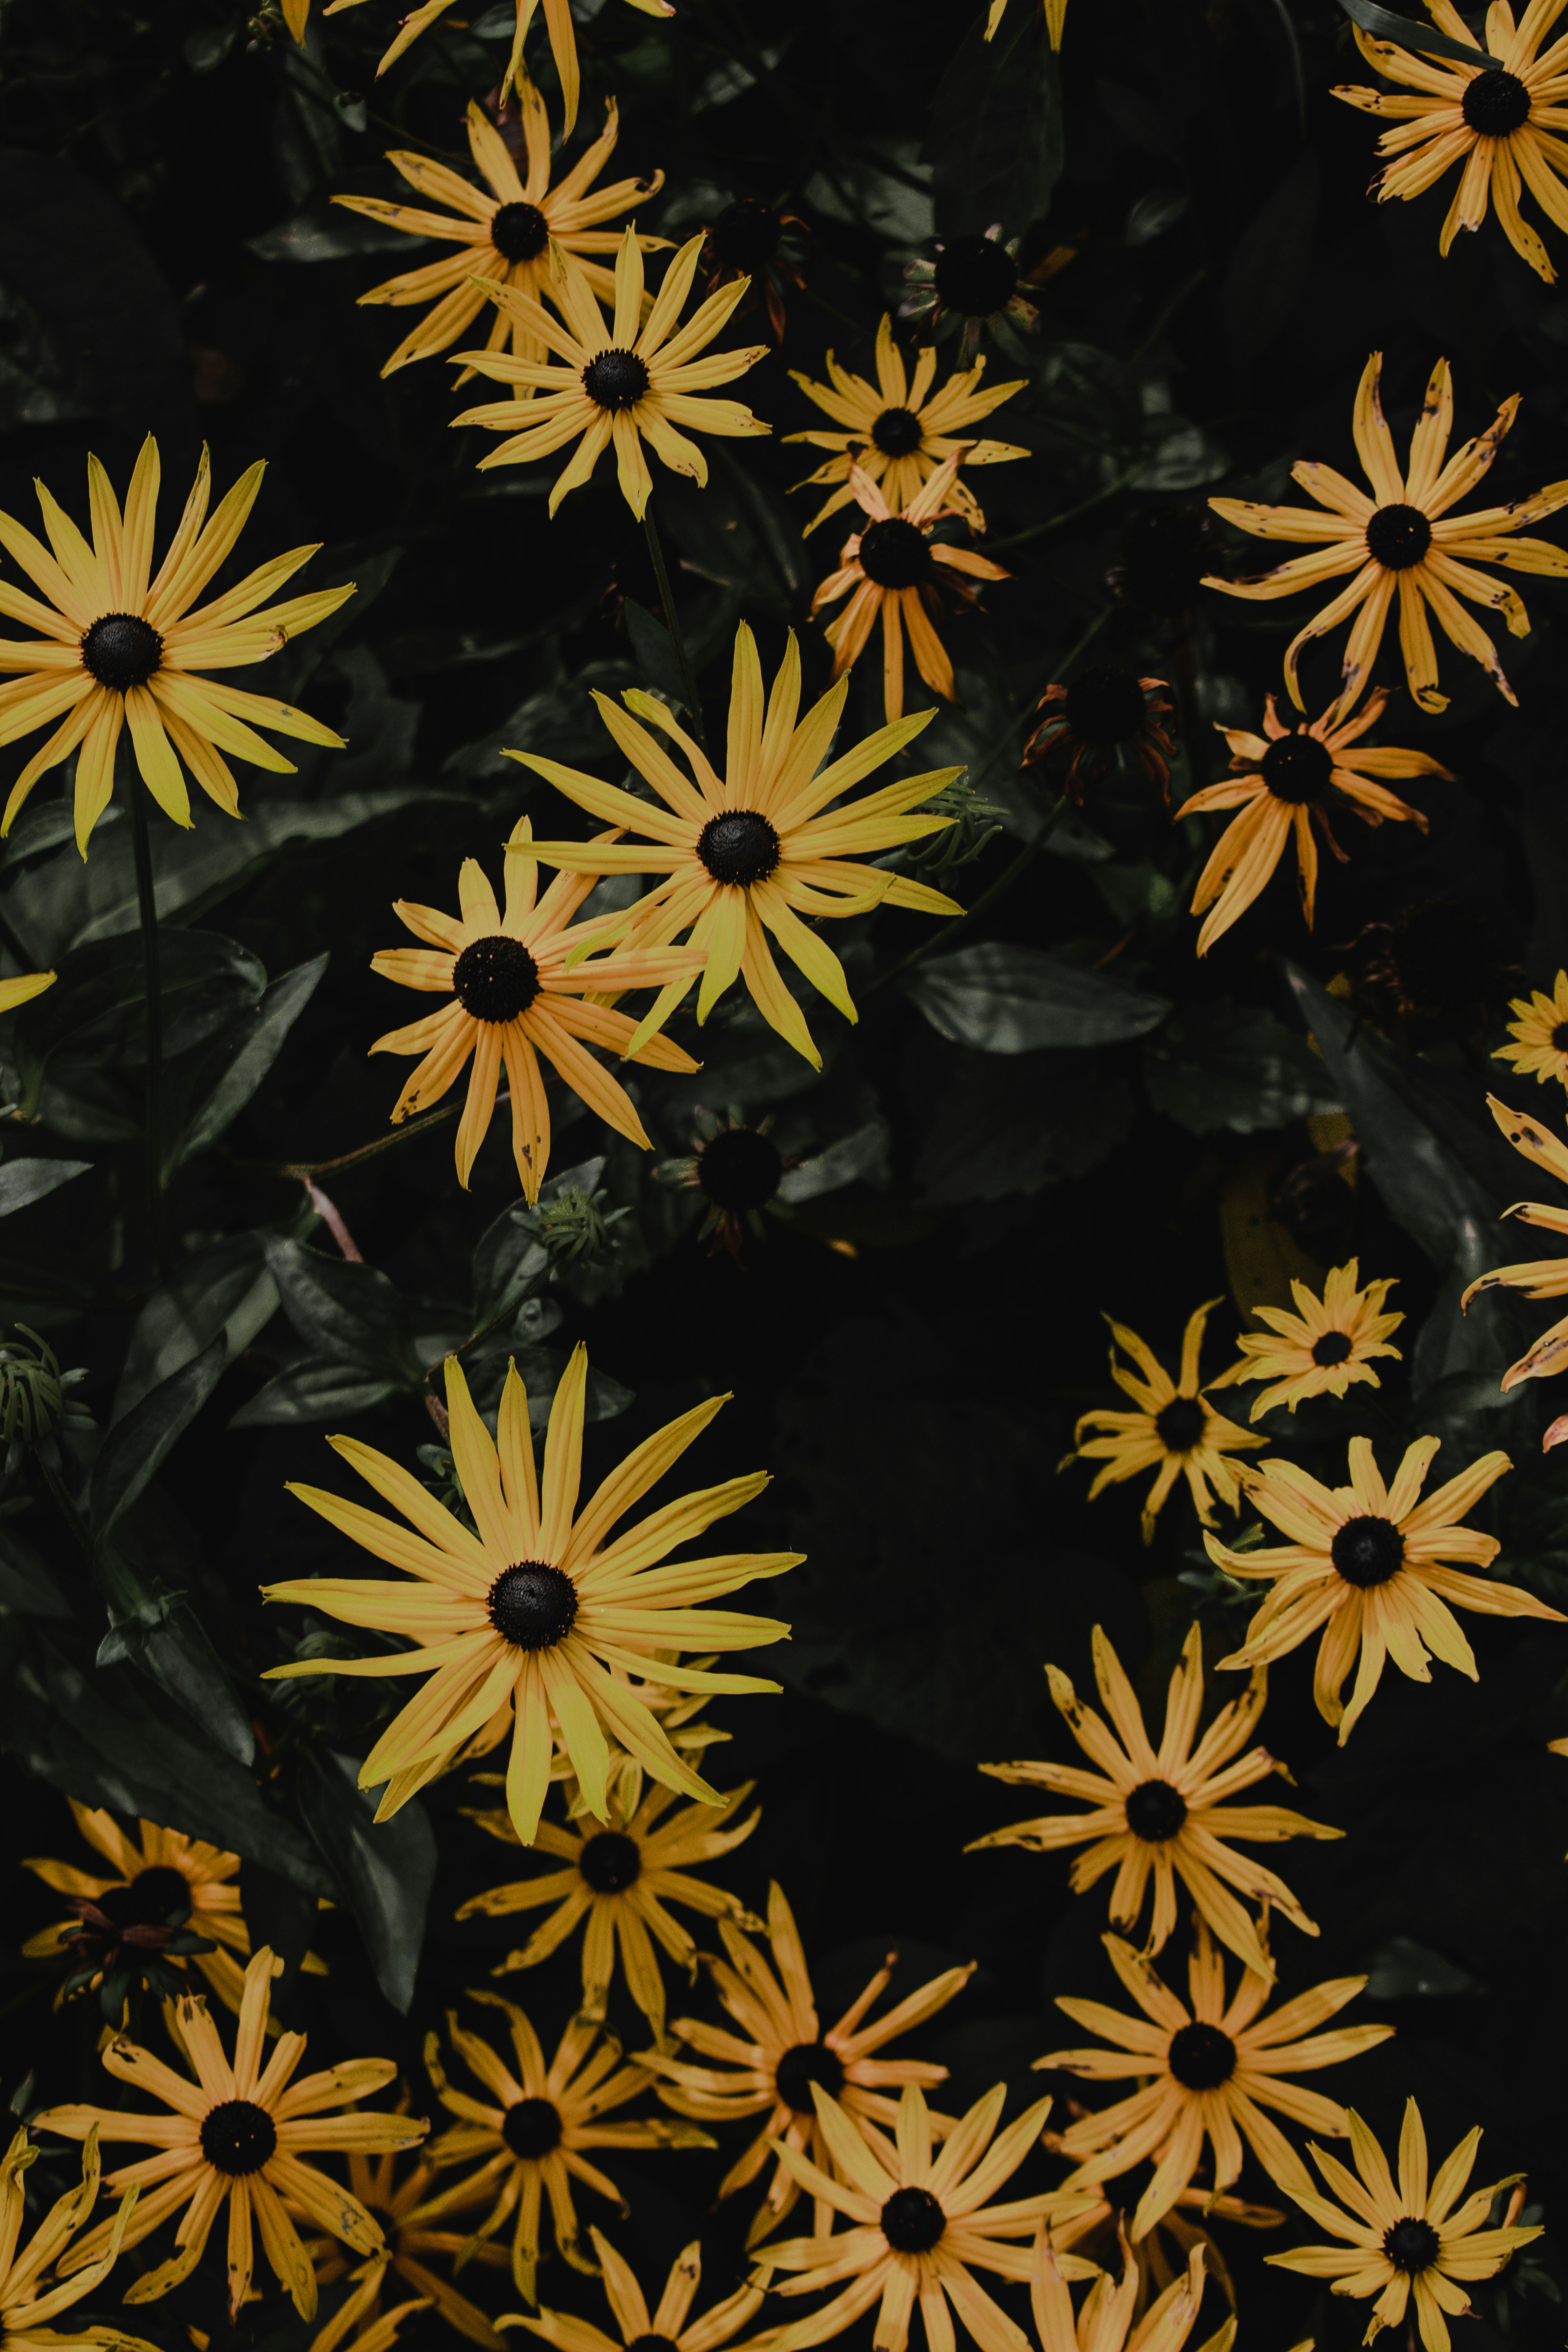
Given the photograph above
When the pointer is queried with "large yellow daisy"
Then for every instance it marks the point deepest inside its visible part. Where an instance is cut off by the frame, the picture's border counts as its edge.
(1109, 2319)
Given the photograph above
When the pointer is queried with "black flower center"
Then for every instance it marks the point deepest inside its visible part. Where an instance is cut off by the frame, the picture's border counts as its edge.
(532, 2128)
(894, 554)
(1397, 537)
(1155, 1811)
(1297, 767)
(496, 979)
(615, 379)
(1201, 2057)
(975, 275)
(533, 1606)
(739, 1169)
(1560, 1037)
(238, 2137)
(652, 2343)
(152, 1899)
(1367, 1551)
(611, 1862)
(739, 846)
(520, 232)
(1180, 1425)
(1331, 1348)
(798, 2069)
(745, 235)
(1495, 103)
(896, 432)
(912, 2220)
(1413, 2245)
(1105, 706)
(121, 650)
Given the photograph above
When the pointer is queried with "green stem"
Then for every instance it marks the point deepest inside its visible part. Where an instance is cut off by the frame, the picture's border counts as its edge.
(146, 899)
(672, 622)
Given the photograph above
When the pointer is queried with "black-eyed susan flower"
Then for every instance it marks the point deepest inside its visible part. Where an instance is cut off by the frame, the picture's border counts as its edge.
(503, 235)
(780, 2053)
(1401, 543)
(976, 282)
(516, 989)
(1206, 2072)
(1108, 2319)
(1162, 1815)
(1499, 123)
(738, 1170)
(1287, 781)
(421, 2221)
(887, 570)
(616, 1886)
(1173, 1430)
(751, 240)
(23, 987)
(1369, 1565)
(617, 382)
(29, 2298)
(1325, 1346)
(1410, 2240)
(754, 852)
(538, 1603)
(1104, 715)
(525, 2138)
(118, 645)
(1542, 1277)
(1539, 1032)
(670, 2322)
(238, 2133)
(898, 431)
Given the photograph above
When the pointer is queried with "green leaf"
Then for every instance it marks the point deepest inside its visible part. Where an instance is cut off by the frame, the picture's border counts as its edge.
(386, 1873)
(222, 1290)
(1268, 262)
(654, 651)
(27, 1585)
(1222, 1065)
(157, 1631)
(1384, 24)
(22, 1181)
(347, 1313)
(136, 1447)
(243, 1054)
(1401, 1968)
(1017, 1123)
(1011, 1000)
(997, 147)
(312, 1392)
(860, 1155)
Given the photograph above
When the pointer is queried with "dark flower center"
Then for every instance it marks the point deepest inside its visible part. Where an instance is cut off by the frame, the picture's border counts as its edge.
(1105, 706)
(1560, 1037)
(896, 432)
(121, 651)
(1367, 1551)
(1332, 1348)
(532, 2128)
(152, 1899)
(975, 275)
(894, 554)
(611, 1862)
(520, 232)
(746, 234)
(652, 2343)
(533, 1606)
(1297, 767)
(238, 2137)
(1181, 1424)
(496, 979)
(739, 1169)
(1201, 2057)
(912, 2220)
(615, 379)
(1413, 2245)
(1495, 103)
(1397, 537)
(798, 2069)
(739, 846)
(1155, 1811)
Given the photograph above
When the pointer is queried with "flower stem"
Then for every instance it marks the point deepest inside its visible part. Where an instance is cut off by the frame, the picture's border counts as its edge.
(146, 899)
(672, 622)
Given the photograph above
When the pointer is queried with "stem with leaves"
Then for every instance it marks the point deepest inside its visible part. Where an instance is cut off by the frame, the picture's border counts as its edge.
(147, 902)
(672, 622)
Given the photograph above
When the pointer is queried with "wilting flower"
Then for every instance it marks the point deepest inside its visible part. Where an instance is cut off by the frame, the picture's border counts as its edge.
(1402, 537)
(417, 2216)
(671, 2323)
(1540, 1034)
(27, 2303)
(1321, 1349)
(978, 281)
(1103, 715)
(1542, 1277)
(1106, 2317)
(1173, 1430)
(1161, 1814)
(737, 1171)
(754, 241)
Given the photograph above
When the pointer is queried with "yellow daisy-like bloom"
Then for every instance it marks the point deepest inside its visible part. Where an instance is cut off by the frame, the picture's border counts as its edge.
(529, 2133)
(1498, 121)
(1413, 2240)
(538, 1603)
(921, 2224)
(899, 431)
(1402, 539)
(1174, 1431)
(755, 850)
(1321, 1349)
(23, 988)
(417, 2216)
(504, 236)
(616, 1886)
(1539, 1030)
(1105, 2320)
(1055, 18)
(238, 2134)
(516, 988)
(781, 2056)
(1368, 1563)
(1161, 1813)
(671, 2323)
(620, 383)
(26, 2304)
(887, 570)
(119, 646)
(1542, 1277)
(1206, 2073)
(1285, 781)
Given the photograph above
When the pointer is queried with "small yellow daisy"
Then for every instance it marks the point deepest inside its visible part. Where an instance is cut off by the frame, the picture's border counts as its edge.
(1321, 1349)
(1540, 1034)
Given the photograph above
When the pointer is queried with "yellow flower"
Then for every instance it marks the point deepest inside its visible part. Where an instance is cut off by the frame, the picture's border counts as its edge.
(616, 1886)
(238, 2134)
(416, 2217)
(1413, 2240)
(540, 1606)
(1402, 539)
(26, 2304)
(670, 2325)
(23, 988)
(1542, 1277)
(1321, 1349)
(1285, 779)
(504, 236)
(515, 989)
(1056, 19)
(119, 646)
(1368, 1563)
(1105, 2321)
(1161, 1814)
(755, 849)
(781, 2056)
(1174, 1431)
(899, 431)
(1540, 1034)
(1205, 2073)
(889, 564)
(618, 382)
(1498, 121)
